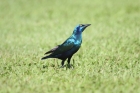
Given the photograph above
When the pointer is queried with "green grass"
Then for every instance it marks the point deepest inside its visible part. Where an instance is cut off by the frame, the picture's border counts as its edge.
(108, 61)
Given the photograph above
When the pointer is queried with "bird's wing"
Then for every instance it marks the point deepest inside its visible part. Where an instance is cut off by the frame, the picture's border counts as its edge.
(52, 50)
(67, 45)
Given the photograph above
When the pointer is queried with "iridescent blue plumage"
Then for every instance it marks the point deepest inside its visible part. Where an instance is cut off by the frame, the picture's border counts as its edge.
(69, 47)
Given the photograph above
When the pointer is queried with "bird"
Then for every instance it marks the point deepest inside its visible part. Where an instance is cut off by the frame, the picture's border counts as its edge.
(69, 47)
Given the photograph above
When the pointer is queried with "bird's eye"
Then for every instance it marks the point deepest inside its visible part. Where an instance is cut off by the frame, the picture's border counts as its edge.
(81, 25)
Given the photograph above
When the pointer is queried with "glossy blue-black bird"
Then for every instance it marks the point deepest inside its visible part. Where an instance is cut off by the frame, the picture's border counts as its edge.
(69, 47)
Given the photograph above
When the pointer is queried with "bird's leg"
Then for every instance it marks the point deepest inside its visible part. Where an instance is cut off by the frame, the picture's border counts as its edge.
(69, 61)
(62, 63)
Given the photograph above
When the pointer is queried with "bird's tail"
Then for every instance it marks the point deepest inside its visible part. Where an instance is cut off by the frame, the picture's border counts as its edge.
(45, 57)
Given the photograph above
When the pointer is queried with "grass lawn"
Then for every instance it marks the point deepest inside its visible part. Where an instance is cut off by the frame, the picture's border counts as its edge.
(107, 62)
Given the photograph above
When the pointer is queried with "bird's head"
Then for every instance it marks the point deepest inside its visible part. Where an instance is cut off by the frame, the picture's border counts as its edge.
(80, 28)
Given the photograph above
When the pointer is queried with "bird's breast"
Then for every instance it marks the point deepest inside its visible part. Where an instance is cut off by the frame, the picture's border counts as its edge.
(78, 42)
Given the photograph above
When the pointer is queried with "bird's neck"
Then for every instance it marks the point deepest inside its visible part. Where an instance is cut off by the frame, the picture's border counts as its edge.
(77, 36)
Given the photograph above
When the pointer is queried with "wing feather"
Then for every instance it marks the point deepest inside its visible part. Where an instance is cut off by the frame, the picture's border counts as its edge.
(52, 50)
(67, 45)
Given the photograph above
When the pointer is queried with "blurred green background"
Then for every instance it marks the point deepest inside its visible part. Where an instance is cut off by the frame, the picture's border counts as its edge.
(108, 61)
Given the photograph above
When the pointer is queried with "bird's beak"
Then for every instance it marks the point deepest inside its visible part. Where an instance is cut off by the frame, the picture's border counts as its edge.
(85, 26)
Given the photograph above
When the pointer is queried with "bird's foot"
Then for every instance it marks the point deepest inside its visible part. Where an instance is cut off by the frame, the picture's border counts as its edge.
(62, 66)
(69, 66)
